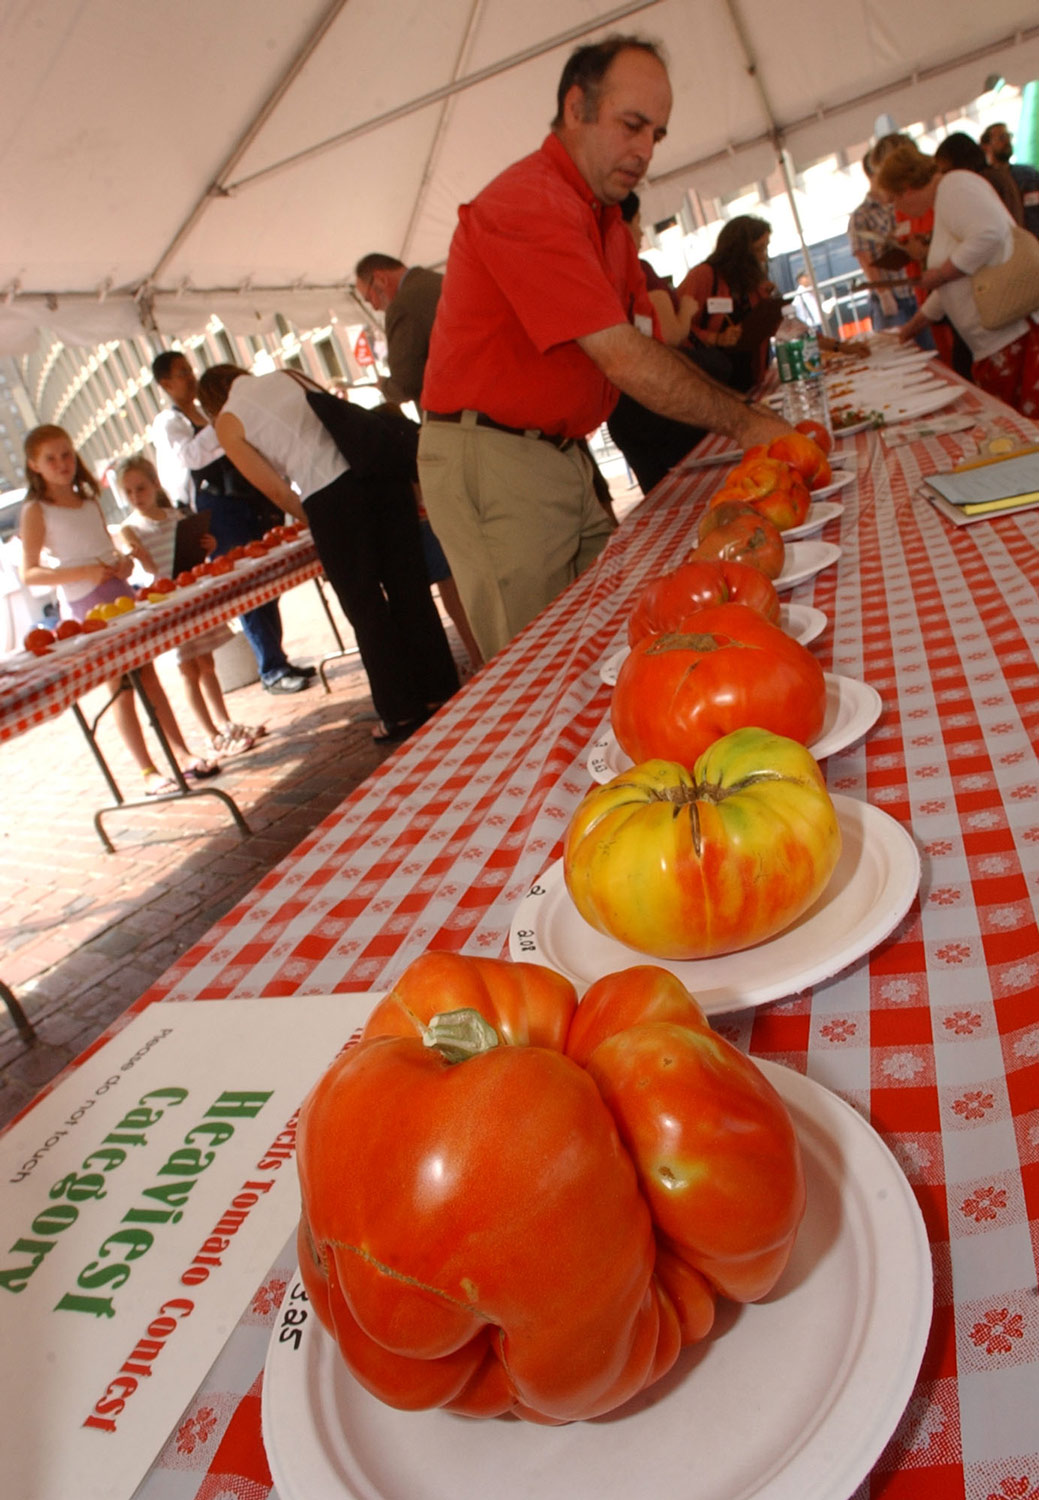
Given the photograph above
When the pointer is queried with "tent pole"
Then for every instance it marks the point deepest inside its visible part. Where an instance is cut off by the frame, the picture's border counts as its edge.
(788, 183)
(475, 15)
(218, 187)
(447, 91)
(776, 135)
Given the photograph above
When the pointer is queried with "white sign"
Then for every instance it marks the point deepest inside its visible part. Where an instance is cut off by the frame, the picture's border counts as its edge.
(142, 1201)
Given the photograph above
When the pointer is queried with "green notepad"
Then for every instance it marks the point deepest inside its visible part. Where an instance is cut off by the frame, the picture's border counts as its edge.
(993, 487)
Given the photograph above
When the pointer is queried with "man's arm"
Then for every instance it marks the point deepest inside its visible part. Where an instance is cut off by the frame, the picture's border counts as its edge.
(193, 450)
(252, 465)
(667, 383)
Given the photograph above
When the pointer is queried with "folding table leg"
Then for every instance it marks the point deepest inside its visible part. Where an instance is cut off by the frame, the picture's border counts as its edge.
(332, 655)
(18, 1016)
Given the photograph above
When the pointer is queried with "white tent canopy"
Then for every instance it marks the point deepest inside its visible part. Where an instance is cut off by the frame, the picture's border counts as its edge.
(163, 161)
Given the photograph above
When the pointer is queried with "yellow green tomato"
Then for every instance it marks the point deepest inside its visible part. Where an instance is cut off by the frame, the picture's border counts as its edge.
(687, 866)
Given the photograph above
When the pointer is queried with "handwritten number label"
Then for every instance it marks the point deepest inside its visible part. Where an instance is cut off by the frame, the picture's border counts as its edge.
(293, 1318)
(525, 938)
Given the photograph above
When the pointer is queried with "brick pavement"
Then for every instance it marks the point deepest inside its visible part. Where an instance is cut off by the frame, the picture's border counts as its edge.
(83, 933)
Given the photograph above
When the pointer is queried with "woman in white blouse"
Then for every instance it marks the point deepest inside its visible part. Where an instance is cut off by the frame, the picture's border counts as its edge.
(972, 228)
(365, 530)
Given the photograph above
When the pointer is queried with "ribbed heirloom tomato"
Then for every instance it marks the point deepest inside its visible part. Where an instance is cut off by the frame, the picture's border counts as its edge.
(801, 452)
(686, 865)
(721, 669)
(669, 597)
(770, 487)
(527, 1206)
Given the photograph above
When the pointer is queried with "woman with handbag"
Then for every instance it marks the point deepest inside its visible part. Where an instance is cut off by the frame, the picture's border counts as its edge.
(973, 243)
(726, 288)
(362, 515)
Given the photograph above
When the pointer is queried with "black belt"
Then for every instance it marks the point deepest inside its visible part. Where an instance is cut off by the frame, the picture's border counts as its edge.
(482, 420)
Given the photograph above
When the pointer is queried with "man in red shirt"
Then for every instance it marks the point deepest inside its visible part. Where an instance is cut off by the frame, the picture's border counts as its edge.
(543, 318)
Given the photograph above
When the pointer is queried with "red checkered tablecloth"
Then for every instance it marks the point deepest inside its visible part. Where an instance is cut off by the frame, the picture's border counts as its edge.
(35, 688)
(934, 1038)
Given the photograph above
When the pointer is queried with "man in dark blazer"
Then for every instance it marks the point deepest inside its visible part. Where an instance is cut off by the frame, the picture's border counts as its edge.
(408, 295)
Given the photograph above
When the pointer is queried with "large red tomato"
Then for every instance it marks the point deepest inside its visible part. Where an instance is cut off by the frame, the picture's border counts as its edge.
(521, 1206)
(749, 539)
(770, 487)
(721, 669)
(669, 597)
(685, 865)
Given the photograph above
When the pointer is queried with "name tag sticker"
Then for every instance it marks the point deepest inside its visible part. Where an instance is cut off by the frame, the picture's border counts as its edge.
(719, 305)
(644, 324)
(1030, 200)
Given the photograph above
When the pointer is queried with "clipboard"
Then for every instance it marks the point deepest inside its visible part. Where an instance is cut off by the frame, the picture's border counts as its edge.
(987, 488)
(188, 551)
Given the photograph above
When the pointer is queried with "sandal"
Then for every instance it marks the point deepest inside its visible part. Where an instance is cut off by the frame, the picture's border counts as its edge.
(159, 786)
(200, 770)
(233, 739)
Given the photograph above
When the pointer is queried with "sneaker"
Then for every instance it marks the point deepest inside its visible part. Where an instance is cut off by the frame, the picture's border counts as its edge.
(289, 682)
(307, 672)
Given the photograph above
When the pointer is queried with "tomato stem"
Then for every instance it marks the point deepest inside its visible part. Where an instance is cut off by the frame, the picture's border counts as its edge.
(460, 1034)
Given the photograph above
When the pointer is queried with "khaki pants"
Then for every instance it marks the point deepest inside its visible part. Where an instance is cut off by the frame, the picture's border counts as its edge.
(517, 518)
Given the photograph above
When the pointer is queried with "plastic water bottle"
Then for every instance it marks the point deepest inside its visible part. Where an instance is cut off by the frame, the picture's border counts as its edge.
(801, 381)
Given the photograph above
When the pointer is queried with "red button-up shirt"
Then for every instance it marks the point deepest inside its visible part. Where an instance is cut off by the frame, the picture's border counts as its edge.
(535, 263)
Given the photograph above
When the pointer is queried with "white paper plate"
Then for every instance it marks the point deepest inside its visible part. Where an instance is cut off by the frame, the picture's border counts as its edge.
(609, 669)
(793, 1399)
(709, 460)
(902, 355)
(869, 893)
(819, 514)
(842, 478)
(801, 621)
(803, 560)
(920, 405)
(853, 430)
(852, 708)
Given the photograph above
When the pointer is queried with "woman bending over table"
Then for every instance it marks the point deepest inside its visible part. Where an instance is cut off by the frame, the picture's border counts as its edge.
(365, 529)
(151, 538)
(62, 517)
(972, 228)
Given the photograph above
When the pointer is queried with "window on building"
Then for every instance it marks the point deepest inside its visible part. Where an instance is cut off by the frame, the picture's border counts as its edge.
(326, 351)
(228, 352)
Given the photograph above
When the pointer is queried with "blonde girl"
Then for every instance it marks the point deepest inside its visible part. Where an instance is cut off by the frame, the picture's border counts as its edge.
(150, 538)
(62, 517)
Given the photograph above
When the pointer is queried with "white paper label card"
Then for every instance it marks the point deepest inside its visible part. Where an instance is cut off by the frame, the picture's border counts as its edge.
(719, 305)
(141, 1203)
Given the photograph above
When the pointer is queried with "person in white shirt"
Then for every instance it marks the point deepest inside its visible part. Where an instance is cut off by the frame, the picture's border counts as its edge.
(972, 228)
(364, 523)
(805, 304)
(193, 470)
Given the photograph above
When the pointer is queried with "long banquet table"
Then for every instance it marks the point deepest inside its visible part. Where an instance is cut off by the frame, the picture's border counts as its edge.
(934, 1037)
(34, 689)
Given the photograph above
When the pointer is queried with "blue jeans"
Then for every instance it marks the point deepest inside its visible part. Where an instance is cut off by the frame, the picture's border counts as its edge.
(233, 523)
